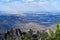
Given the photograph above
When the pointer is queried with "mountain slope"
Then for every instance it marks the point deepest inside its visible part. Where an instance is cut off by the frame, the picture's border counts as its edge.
(26, 20)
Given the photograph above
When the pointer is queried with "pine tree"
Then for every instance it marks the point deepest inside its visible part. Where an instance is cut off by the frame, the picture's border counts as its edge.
(12, 35)
(57, 34)
(51, 36)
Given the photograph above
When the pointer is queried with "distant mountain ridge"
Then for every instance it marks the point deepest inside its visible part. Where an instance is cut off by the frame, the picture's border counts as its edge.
(22, 20)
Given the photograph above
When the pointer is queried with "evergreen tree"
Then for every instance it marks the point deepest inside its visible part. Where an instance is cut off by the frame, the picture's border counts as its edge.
(43, 35)
(57, 34)
(12, 35)
(51, 36)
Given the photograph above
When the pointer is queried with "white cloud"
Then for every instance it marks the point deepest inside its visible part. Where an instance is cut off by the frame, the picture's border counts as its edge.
(50, 6)
(29, 0)
(4, 0)
(30, 5)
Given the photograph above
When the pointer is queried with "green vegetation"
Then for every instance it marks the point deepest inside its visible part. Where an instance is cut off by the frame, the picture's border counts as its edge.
(56, 35)
(39, 35)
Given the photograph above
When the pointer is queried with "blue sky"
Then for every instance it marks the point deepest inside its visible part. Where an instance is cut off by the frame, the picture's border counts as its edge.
(29, 5)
